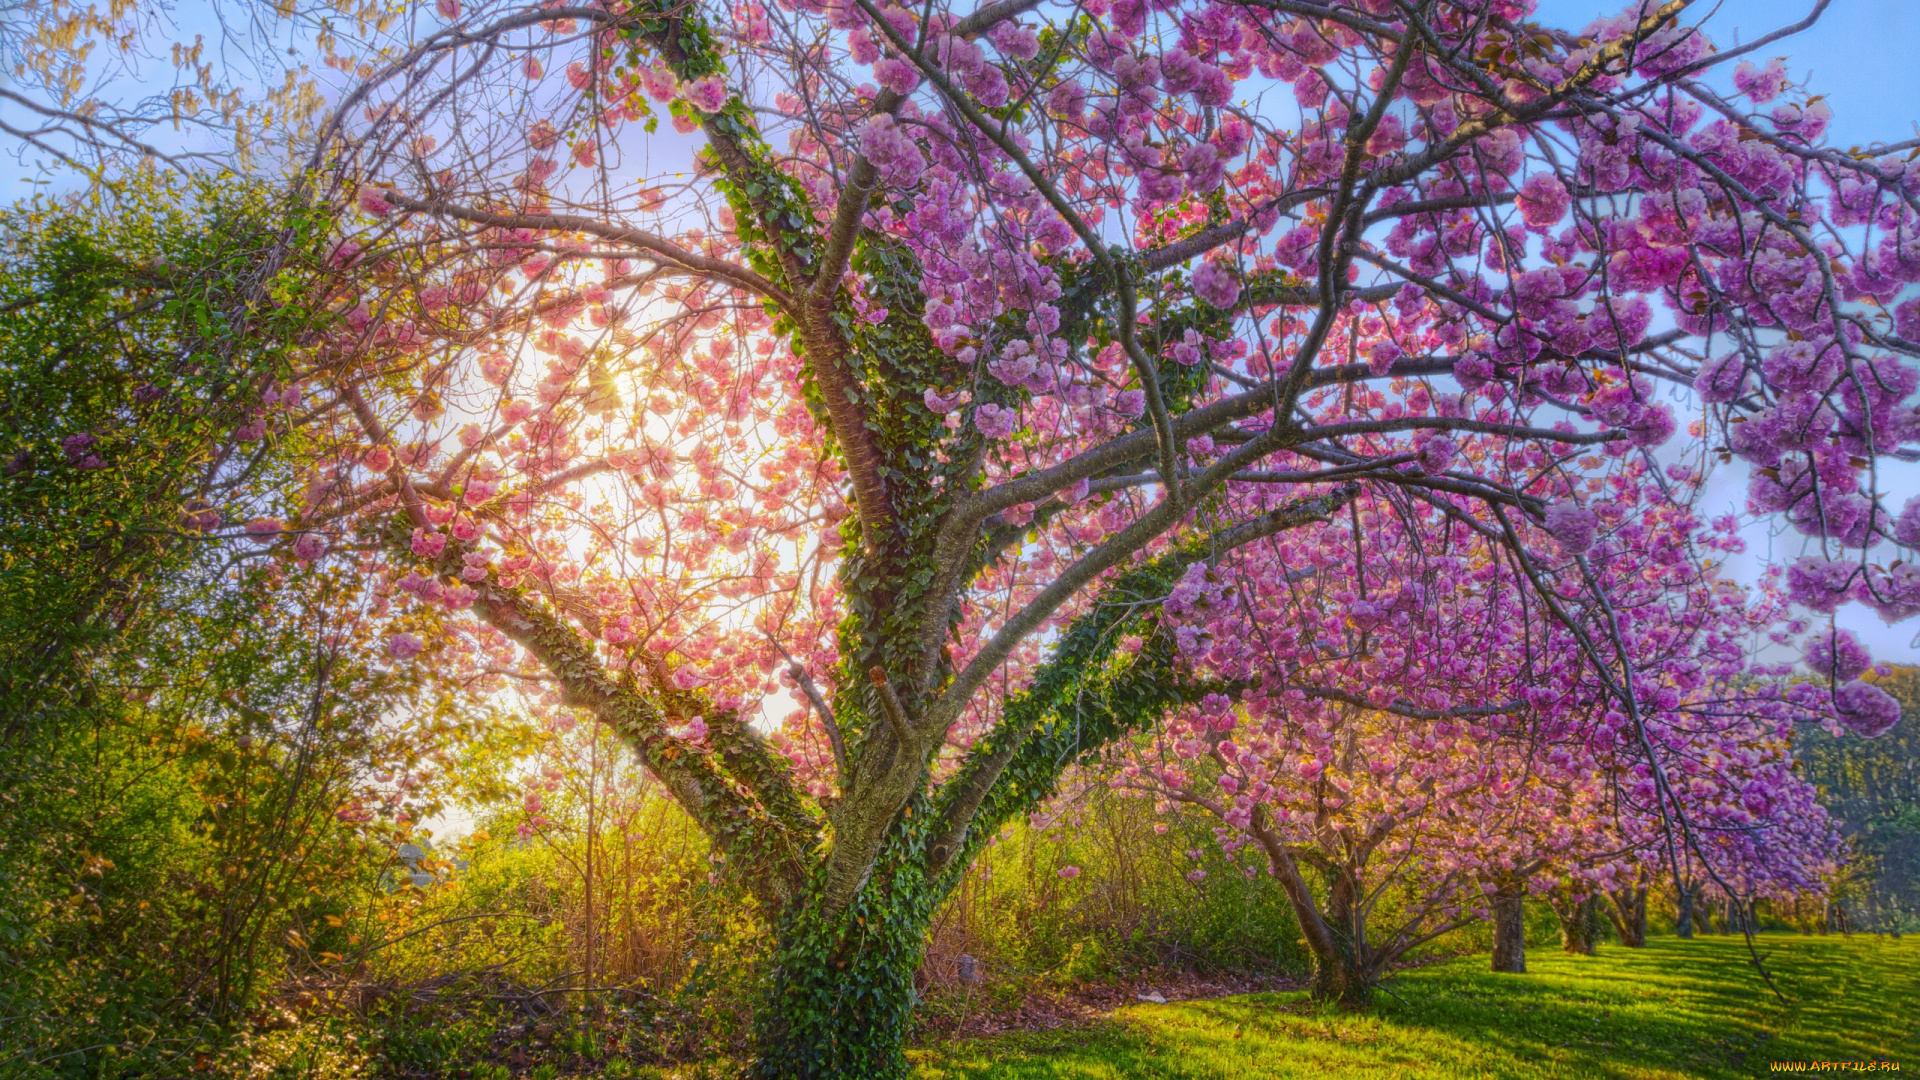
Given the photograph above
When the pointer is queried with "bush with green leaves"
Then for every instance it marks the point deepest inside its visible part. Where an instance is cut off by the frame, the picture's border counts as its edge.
(1873, 787)
(181, 721)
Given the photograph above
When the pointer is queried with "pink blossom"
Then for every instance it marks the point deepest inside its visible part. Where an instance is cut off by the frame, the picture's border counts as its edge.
(78, 447)
(1837, 654)
(1906, 319)
(893, 153)
(1205, 167)
(1760, 85)
(1808, 123)
(1214, 283)
(1381, 358)
(1069, 872)
(1014, 41)
(1818, 583)
(995, 421)
(404, 646)
(1722, 380)
(1436, 454)
(1894, 592)
(662, 85)
(945, 403)
(1543, 200)
(374, 201)
(1866, 709)
(1906, 527)
(896, 75)
(198, 516)
(708, 94)
(1573, 525)
(692, 731)
(1067, 100)
(427, 543)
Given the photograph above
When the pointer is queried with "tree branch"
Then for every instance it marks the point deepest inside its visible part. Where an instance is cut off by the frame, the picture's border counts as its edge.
(1084, 648)
(890, 705)
(827, 720)
(665, 249)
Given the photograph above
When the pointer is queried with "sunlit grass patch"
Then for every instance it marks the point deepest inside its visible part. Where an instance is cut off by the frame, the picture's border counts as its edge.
(1675, 1009)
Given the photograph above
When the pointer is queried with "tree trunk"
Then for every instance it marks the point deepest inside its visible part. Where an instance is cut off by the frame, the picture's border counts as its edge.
(841, 1018)
(1337, 944)
(1628, 913)
(1338, 974)
(840, 992)
(1509, 932)
(1579, 924)
(1683, 920)
(1337, 978)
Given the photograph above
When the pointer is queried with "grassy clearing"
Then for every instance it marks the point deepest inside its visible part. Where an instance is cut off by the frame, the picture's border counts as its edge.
(1674, 1009)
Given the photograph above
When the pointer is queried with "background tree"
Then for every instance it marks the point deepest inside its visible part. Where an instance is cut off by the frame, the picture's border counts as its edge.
(99, 96)
(185, 715)
(1354, 753)
(1873, 791)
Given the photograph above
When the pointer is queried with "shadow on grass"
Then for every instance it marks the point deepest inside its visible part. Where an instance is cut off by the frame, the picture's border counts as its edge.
(1674, 1009)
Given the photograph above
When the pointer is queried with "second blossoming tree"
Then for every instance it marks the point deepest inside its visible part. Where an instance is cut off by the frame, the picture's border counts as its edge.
(1420, 719)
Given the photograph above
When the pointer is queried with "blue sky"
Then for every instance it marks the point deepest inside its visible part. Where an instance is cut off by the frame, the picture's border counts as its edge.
(1863, 54)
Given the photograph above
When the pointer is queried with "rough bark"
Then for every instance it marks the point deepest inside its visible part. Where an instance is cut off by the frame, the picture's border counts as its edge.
(1580, 924)
(1338, 974)
(1509, 932)
(1628, 913)
(1683, 918)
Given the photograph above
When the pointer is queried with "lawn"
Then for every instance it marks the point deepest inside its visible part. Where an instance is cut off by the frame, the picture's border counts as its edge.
(1673, 1009)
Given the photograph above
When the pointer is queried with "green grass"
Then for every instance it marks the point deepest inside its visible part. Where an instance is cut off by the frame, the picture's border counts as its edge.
(1673, 1009)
